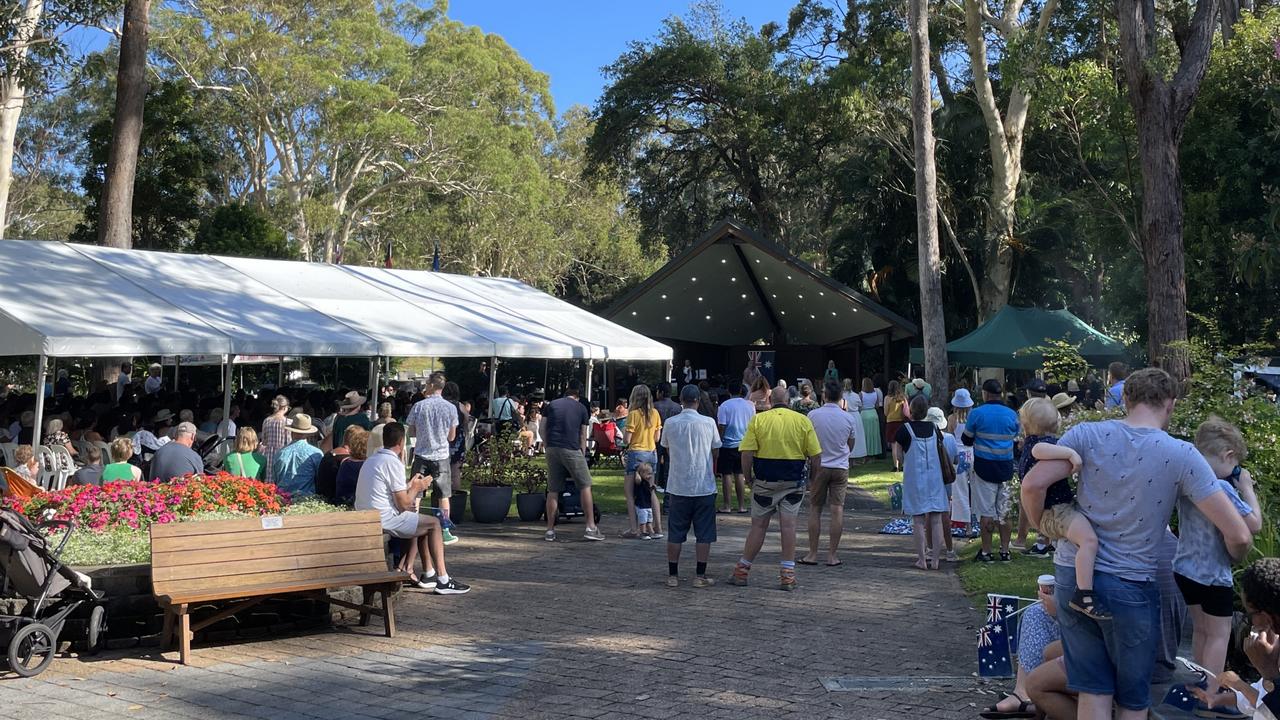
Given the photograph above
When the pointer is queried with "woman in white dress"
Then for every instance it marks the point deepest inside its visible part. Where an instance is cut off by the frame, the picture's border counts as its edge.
(853, 404)
(961, 510)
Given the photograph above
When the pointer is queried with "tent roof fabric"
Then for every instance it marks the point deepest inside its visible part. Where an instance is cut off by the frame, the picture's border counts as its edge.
(997, 342)
(66, 300)
(734, 287)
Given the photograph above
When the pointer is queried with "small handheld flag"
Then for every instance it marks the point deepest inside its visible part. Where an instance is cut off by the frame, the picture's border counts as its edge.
(993, 652)
(387, 261)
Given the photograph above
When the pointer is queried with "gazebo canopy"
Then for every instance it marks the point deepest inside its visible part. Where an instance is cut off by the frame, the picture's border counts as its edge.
(66, 300)
(1001, 341)
(734, 287)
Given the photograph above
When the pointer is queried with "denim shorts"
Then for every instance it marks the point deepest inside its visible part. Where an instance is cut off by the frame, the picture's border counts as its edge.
(635, 457)
(1112, 657)
(684, 512)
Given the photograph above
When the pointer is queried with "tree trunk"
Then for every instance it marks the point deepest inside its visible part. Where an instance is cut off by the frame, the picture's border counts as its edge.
(1160, 109)
(115, 224)
(13, 96)
(929, 253)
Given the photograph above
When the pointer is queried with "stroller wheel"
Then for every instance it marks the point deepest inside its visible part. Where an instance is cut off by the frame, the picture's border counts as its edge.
(31, 649)
(97, 630)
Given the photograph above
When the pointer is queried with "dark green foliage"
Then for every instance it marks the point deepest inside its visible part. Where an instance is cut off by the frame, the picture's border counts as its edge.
(241, 231)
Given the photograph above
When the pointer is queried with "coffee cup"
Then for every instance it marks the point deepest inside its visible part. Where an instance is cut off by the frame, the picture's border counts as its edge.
(1046, 583)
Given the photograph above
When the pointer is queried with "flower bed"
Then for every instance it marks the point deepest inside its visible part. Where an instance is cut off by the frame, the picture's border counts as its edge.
(113, 520)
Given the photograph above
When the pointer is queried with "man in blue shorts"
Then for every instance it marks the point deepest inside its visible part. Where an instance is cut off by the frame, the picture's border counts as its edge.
(1131, 475)
(690, 439)
(991, 429)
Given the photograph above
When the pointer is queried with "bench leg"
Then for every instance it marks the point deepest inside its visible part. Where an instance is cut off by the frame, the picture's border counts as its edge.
(388, 613)
(166, 635)
(184, 634)
(366, 600)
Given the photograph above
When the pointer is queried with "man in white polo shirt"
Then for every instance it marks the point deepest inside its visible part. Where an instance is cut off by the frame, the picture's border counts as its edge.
(382, 487)
(691, 439)
(837, 436)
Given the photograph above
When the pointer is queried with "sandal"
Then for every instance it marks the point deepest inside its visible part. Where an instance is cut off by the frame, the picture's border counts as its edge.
(1026, 709)
(629, 534)
(1085, 602)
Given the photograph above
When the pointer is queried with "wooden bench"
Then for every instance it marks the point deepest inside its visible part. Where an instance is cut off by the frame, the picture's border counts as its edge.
(252, 560)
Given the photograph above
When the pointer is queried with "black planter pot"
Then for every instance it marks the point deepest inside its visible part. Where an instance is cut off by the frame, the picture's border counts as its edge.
(458, 506)
(490, 504)
(531, 506)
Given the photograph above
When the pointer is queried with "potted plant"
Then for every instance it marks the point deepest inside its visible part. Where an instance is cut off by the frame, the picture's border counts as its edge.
(490, 477)
(531, 481)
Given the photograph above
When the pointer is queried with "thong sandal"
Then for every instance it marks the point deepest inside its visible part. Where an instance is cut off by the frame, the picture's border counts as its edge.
(1024, 709)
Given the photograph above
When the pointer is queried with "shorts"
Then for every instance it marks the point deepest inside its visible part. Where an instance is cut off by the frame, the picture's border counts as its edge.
(1116, 657)
(635, 457)
(1214, 600)
(729, 462)
(1055, 520)
(644, 515)
(684, 512)
(440, 472)
(769, 497)
(404, 525)
(828, 486)
(566, 463)
(990, 500)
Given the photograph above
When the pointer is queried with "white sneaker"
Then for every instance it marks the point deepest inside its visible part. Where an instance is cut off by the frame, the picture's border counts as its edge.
(550, 536)
(593, 534)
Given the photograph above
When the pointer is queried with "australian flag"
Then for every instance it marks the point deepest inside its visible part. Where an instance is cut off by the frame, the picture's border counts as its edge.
(1180, 697)
(1002, 609)
(762, 360)
(993, 651)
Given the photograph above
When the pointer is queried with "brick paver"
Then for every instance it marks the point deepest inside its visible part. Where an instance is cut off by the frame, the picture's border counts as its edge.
(576, 630)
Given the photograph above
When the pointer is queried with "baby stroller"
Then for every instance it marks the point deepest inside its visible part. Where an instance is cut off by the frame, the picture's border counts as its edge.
(570, 505)
(53, 591)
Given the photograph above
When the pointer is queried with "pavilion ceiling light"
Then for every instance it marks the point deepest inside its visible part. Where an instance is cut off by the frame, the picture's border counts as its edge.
(664, 296)
(708, 317)
(744, 296)
(699, 298)
(693, 279)
(668, 317)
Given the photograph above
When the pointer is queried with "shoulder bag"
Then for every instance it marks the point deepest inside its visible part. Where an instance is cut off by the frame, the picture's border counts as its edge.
(948, 470)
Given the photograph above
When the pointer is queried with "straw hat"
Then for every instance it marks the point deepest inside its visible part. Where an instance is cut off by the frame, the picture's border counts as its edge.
(162, 416)
(302, 425)
(962, 399)
(352, 400)
(936, 417)
(1063, 400)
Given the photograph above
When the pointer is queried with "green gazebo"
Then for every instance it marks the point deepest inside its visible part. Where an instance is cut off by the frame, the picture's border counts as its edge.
(1002, 341)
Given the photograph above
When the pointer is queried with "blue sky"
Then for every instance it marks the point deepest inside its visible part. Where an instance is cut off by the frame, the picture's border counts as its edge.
(570, 40)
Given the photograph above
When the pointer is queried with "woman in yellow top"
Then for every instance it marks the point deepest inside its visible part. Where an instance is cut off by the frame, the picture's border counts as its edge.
(895, 414)
(642, 429)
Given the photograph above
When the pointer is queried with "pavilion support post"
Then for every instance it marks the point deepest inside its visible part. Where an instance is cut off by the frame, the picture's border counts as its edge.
(590, 366)
(608, 385)
(668, 368)
(493, 378)
(546, 371)
(280, 374)
(228, 368)
(42, 371)
(177, 365)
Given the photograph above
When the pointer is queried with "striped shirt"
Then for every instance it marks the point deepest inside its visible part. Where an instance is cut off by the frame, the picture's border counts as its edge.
(992, 427)
(275, 436)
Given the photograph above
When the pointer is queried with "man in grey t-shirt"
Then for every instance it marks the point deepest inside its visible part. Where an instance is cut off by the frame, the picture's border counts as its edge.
(1131, 475)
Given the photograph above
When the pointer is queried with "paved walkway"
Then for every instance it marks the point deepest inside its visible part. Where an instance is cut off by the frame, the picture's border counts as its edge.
(580, 630)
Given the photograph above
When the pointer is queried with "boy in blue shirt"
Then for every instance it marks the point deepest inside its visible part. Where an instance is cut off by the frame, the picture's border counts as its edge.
(991, 430)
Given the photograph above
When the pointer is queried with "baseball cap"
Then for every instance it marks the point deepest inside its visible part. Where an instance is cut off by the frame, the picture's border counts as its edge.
(1037, 385)
(992, 386)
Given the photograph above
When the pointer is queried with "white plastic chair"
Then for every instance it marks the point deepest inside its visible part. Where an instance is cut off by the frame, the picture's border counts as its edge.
(9, 449)
(106, 451)
(66, 466)
(48, 468)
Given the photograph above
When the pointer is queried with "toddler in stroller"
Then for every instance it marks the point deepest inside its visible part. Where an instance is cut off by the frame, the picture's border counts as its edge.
(32, 570)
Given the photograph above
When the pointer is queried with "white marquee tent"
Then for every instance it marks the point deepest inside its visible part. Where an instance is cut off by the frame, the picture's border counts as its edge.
(67, 300)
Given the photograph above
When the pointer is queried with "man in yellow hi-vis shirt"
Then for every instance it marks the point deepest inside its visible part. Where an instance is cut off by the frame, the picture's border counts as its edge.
(779, 443)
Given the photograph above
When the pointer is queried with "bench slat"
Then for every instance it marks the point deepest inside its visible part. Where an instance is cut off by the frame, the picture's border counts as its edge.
(241, 538)
(197, 596)
(232, 568)
(229, 587)
(188, 558)
(213, 527)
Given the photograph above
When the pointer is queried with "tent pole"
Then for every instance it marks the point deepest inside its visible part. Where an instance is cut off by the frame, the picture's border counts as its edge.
(280, 375)
(177, 363)
(53, 372)
(373, 384)
(590, 367)
(546, 370)
(669, 367)
(493, 378)
(228, 370)
(42, 370)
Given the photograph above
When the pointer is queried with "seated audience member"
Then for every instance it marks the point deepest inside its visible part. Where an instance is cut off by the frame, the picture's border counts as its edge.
(246, 461)
(384, 414)
(55, 435)
(1037, 630)
(349, 467)
(91, 473)
(327, 473)
(26, 464)
(26, 428)
(176, 459)
(120, 468)
(148, 440)
(381, 486)
(296, 464)
(1260, 595)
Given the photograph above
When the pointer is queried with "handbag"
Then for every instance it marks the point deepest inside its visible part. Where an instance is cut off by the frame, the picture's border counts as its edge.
(948, 470)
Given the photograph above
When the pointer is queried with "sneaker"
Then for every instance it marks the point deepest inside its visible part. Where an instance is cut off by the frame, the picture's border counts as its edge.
(422, 583)
(646, 536)
(1039, 550)
(549, 536)
(449, 538)
(703, 582)
(673, 581)
(1018, 545)
(787, 580)
(739, 577)
(1005, 557)
(453, 587)
(655, 536)
(983, 557)
(951, 556)
(593, 534)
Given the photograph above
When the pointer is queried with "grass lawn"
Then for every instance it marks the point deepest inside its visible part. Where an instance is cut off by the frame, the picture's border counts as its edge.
(1012, 578)
(875, 477)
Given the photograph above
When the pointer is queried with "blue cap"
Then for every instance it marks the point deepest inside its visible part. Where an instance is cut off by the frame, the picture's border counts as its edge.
(690, 394)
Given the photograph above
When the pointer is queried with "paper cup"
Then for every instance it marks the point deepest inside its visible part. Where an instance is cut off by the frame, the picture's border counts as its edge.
(1046, 583)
